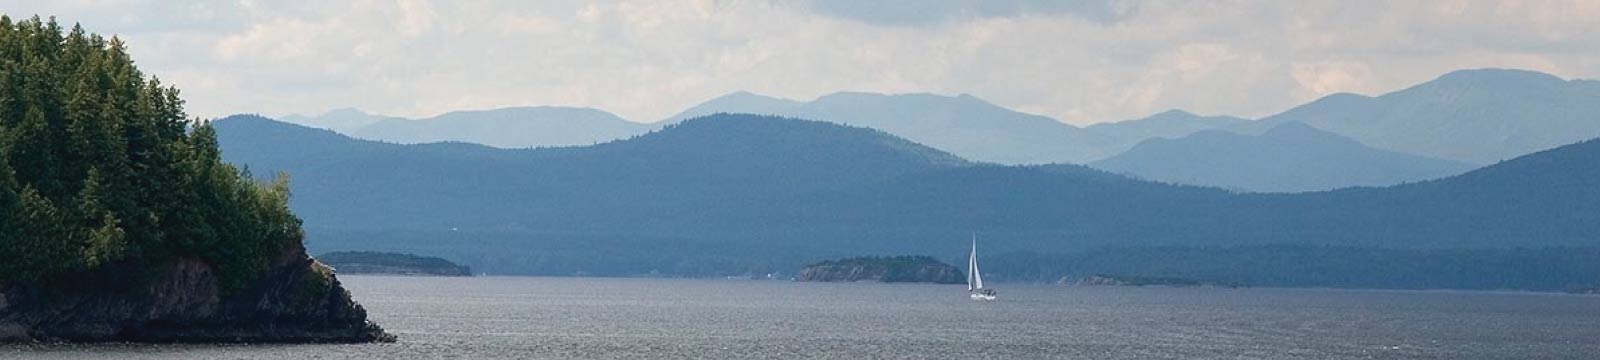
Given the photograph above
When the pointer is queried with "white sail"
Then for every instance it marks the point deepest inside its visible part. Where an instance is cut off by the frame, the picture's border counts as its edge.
(972, 264)
(975, 279)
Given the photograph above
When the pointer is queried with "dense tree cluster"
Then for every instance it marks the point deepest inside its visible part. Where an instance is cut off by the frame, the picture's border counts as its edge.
(100, 166)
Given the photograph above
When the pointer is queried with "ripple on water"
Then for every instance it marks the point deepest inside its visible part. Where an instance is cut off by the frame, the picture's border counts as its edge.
(522, 318)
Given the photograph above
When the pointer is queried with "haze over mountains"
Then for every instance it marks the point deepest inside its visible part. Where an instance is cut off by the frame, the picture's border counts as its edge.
(735, 193)
(346, 120)
(1477, 116)
(1292, 157)
(517, 127)
(1469, 116)
(971, 127)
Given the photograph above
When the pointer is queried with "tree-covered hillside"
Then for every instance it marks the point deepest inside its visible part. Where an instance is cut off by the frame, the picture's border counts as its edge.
(99, 165)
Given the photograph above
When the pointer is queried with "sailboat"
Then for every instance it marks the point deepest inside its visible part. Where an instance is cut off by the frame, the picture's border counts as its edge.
(974, 279)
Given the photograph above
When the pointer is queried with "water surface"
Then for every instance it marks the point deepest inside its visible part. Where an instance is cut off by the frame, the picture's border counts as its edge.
(517, 318)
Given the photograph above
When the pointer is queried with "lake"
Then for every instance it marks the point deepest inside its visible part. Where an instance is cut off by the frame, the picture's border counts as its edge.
(534, 317)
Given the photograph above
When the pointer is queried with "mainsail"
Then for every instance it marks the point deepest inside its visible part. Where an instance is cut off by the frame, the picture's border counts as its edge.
(974, 280)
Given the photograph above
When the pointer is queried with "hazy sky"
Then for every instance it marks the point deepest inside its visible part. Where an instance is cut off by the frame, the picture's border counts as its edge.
(1081, 62)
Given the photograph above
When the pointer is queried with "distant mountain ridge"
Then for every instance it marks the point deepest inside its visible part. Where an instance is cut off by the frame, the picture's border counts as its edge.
(965, 125)
(1291, 157)
(345, 120)
(1468, 116)
(1170, 124)
(729, 194)
(968, 126)
(516, 127)
(1479, 116)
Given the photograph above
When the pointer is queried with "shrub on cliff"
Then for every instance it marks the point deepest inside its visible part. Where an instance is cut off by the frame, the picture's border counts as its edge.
(100, 165)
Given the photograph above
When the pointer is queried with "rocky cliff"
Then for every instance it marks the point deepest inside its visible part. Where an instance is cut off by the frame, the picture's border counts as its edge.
(179, 300)
(883, 269)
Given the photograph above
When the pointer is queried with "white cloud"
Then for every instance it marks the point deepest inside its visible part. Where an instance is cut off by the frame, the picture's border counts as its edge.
(643, 59)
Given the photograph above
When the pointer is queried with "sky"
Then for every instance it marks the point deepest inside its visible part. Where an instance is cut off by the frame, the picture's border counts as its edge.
(1079, 62)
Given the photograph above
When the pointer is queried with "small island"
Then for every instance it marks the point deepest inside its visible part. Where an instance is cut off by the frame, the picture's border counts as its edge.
(1131, 280)
(383, 263)
(888, 269)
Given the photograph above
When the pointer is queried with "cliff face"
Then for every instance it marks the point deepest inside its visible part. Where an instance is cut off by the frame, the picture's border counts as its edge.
(895, 269)
(178, 300)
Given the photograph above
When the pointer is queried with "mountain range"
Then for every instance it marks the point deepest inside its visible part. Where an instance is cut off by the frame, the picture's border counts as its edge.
(1422, 132)
(345, 120)
(743, 193)
(968, 126)
(1291, 157)
(516, 127)
(1478, 116)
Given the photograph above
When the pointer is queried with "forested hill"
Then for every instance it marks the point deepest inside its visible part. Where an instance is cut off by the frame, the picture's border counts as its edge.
(98, 167)
(1543, 199)
(649, 178)
(119, 221)
(738, 192)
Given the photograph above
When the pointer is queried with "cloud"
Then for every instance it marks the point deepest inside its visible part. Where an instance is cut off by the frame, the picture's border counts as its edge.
(937, 12)
(1078, 61)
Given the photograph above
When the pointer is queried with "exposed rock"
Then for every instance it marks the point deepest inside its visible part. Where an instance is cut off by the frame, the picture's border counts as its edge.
(883, 269)
(178, 300)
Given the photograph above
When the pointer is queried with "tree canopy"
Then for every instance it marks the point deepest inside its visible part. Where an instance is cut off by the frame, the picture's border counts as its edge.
(99, 165)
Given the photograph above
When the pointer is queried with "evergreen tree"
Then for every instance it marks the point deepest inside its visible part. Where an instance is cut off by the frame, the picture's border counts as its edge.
(99, 166)
(10, 215)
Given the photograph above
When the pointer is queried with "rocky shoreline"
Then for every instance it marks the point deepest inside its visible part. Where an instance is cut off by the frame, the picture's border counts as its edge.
(178, 301)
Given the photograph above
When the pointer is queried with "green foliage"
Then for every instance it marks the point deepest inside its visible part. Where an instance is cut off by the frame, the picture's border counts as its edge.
(99, 165)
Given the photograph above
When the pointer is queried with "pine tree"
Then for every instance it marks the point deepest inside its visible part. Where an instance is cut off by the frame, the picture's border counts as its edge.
(10, 215)
(99, 166)
(37, 240)
(33, 157)
(101, 239)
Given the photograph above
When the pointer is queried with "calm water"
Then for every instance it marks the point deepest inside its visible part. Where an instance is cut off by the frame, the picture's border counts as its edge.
(478, 318)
